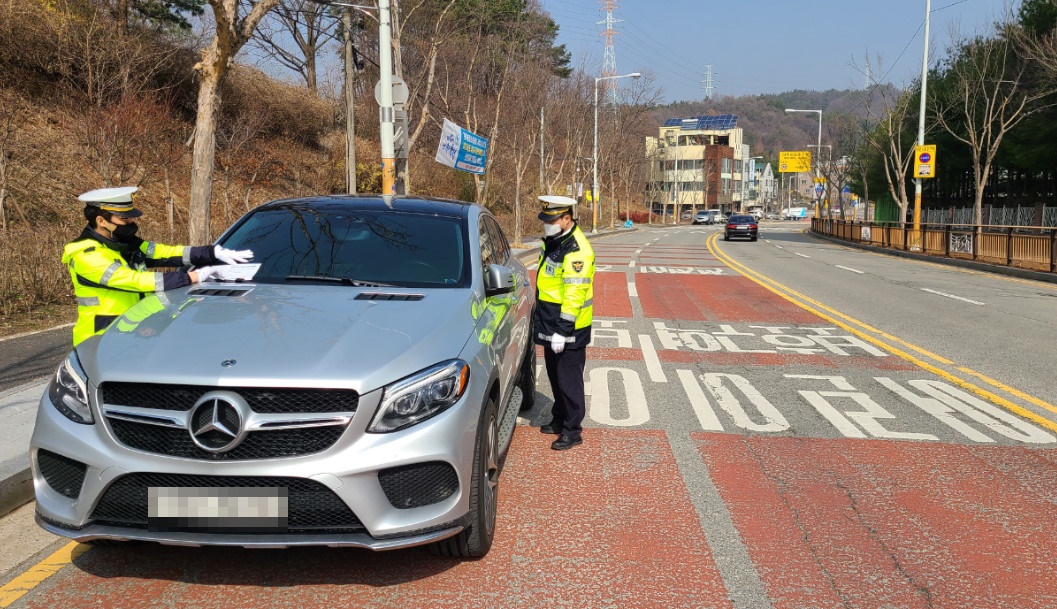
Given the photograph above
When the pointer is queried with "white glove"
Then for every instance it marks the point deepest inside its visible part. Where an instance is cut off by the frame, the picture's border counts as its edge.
(557, 343)
(227, 256)
(208, 272)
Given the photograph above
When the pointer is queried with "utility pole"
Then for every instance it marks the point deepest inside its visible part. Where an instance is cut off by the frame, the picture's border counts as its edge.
(542, 183)
(385, 95)
(350, 103)
(921, 130)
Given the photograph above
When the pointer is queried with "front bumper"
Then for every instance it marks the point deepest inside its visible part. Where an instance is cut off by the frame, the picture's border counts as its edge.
(347, 472)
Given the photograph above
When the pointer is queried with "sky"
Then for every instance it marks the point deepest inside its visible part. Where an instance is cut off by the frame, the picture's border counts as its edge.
(769, 46)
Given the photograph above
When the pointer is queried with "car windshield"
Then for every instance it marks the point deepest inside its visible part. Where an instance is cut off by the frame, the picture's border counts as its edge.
(354, 247)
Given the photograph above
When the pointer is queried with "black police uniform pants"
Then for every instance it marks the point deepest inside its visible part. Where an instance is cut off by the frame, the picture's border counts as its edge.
(566, 373)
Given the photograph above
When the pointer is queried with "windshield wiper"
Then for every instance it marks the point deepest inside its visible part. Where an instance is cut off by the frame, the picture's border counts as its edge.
(356, 283)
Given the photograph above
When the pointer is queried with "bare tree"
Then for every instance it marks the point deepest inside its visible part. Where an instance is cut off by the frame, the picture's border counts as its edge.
(983, 94)
(893, 141)
(304, 23)
(845, 134)
(231, 34)
(14, 117)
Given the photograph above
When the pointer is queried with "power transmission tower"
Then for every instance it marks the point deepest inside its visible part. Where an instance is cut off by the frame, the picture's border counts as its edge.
(709, 82)
(609, 59)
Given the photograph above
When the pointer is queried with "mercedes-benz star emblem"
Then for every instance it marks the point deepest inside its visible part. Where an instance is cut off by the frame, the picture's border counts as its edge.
(216, 425)
(228, 363)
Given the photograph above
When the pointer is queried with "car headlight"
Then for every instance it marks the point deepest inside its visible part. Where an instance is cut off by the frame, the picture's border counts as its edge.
(68, 391)
(421, 396)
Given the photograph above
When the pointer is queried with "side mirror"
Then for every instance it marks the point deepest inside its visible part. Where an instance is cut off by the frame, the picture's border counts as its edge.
(498, 279)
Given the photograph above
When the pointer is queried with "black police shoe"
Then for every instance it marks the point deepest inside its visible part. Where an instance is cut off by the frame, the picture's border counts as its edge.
(551, 428)
(565, 442)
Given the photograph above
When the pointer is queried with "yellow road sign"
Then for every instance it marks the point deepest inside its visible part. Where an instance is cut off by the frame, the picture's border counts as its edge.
(794, 161)
(925, 161)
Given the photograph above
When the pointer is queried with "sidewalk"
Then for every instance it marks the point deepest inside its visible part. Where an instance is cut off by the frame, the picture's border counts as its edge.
(18, 409)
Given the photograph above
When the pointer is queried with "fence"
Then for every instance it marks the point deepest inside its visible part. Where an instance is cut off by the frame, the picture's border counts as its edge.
(1021, 215)
(1026, 247)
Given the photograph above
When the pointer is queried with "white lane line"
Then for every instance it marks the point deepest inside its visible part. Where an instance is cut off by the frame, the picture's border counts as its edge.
(848, 268)
(778, 246)
(632, 290)
(938, 293)
(653, 363)
(801, 255)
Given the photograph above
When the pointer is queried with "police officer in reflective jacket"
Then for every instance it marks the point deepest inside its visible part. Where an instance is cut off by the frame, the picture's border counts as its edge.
(108, 263)
(562, 318)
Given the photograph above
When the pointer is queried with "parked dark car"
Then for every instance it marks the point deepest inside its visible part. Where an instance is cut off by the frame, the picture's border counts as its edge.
(741, 225)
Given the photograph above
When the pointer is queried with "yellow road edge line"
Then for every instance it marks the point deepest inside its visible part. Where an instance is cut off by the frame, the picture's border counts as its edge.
(996, 399)
(18, 587)
(990, 381)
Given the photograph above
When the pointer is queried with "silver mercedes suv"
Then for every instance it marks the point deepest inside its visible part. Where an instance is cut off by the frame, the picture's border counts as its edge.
(357, 385)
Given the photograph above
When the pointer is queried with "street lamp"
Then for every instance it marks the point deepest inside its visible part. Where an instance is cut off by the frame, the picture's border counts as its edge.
(594, 180)
(818, 204)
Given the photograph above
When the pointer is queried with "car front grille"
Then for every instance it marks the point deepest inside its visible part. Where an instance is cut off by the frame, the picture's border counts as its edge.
(312, 507)
(419, 484)
(148, 431)
(176, 442)
(260, 399)
(63, 474)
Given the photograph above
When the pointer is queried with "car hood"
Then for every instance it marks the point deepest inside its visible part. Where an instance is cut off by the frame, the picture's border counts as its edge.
(262, 334)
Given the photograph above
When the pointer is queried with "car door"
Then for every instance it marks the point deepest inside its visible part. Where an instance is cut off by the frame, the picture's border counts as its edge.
(512, 310)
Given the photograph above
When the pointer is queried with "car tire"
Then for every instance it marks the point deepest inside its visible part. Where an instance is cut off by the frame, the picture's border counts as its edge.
(753, 239)
(476, 539)
(527, 380)
(726, 237)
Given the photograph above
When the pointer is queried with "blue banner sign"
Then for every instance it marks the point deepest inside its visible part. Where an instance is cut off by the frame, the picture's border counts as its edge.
(462, 149)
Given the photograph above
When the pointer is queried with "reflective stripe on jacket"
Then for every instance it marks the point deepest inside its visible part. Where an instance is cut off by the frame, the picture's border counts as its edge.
(565, 290)
(107, 285)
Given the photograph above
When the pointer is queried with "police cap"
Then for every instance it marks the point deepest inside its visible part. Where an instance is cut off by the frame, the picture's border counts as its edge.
(553, 206)
(117, 201)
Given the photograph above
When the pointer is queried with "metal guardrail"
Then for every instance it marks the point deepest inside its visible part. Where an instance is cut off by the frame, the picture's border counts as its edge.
(1025, 247)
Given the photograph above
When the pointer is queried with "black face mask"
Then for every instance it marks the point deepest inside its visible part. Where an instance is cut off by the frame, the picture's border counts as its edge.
(122, 233)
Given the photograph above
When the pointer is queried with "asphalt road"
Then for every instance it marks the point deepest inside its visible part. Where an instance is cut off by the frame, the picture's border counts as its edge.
(31, 357)
(765, 429)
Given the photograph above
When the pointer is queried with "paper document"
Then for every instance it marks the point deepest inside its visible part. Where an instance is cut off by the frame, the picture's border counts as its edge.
(235, 272)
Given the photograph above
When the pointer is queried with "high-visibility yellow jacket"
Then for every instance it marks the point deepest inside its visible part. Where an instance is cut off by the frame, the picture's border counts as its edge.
(108, 277)
(565, 290)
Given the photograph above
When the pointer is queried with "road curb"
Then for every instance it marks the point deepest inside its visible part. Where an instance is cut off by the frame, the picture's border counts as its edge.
(16, 489)
(16, 480)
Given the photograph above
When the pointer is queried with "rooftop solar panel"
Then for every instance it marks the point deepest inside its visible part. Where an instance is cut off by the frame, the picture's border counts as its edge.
(711, 122)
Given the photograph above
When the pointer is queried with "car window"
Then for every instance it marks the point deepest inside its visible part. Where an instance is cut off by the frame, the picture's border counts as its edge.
(487, 245)
(742, 219)
(500, 245)
(403, 249)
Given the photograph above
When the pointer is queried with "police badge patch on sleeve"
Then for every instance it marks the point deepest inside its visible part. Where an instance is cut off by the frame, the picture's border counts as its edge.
(578, 266)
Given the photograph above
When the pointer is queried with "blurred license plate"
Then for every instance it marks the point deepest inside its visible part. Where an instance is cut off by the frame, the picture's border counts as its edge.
(242, 510)
(743, 226)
